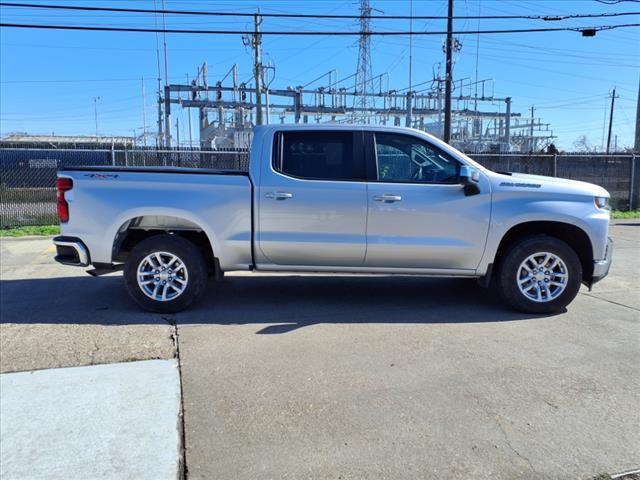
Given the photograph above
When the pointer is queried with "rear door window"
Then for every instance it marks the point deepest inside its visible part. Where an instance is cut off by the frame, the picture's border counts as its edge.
(320, 155)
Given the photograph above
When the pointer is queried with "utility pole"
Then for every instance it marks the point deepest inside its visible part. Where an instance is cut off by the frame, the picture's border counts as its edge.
(160, 136)
(95, 112)
(189, 114)
(410, 96)
(448, 79)
(177, 133)
(164, 46)
(507, 126)
(531, 130)
(613, 101)
(190, 134)
(160, 139)
(439, 101)
(257, 66)
(637, 140)
(144, 116)
(167, 92)
(167, 116)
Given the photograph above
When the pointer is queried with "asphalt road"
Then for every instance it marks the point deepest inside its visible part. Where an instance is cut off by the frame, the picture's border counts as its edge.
(360, 377)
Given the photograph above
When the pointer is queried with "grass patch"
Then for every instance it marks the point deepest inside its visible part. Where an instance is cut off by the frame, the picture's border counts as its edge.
(619, 214)
(35, 230)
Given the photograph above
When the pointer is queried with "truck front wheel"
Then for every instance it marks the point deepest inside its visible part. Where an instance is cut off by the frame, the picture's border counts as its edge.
(165, 273)
(539, 274)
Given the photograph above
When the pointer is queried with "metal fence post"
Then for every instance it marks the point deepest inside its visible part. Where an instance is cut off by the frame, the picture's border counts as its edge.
(555, 164)
(632, 180)
(113, 156)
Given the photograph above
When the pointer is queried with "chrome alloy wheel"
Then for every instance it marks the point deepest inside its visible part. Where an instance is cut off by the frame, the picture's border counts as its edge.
(542, 277)
(162, 276)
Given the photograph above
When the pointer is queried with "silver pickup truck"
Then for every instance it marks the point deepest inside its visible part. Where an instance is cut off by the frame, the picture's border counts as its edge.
(334, 198)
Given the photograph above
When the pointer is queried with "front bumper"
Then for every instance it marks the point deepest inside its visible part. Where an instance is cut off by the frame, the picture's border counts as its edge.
(601, 267)
(71, 251)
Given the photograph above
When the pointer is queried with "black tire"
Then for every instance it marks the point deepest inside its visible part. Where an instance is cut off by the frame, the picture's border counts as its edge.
(507, 274)
(188, 254)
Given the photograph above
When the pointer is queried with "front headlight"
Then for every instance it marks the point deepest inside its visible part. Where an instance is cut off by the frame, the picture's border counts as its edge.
(602, 202)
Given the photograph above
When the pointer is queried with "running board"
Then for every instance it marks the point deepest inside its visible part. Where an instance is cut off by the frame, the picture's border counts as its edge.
(104, 269)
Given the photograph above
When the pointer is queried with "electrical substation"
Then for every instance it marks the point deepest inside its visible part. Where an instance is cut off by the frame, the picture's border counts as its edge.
(228, 109)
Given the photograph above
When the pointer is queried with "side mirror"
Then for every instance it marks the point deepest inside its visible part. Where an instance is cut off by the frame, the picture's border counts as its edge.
(469, 178)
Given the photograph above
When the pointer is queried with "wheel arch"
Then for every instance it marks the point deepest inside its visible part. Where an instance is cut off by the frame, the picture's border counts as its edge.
(571, 234)
(138, 228)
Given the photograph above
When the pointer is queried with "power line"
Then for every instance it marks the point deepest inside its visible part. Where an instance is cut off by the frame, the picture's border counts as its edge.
(73, 80)
(616, 2)
(309, 15)
(85, 80)
(311, 33)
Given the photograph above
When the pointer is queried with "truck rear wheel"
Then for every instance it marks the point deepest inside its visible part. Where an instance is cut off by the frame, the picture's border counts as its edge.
(539, 274)
(165, 273)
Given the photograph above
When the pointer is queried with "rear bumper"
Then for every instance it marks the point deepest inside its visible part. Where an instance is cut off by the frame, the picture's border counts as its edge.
(601, 267)
(71, 251)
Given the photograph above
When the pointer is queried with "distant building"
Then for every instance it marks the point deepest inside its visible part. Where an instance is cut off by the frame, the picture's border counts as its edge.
(25, 140)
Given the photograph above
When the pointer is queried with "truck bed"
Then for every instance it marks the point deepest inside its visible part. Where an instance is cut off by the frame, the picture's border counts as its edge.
(105, 200)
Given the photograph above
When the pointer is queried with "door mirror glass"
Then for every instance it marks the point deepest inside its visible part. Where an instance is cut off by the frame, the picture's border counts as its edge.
(470, 177)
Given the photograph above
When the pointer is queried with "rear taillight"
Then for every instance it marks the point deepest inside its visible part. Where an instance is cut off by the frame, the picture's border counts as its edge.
(63, 185)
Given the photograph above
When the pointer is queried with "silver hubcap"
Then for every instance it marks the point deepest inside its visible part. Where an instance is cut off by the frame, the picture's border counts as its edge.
(542, 277)
(162, 276)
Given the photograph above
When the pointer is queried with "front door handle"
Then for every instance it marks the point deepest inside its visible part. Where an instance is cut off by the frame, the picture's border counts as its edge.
(387, 198)
(279, 195)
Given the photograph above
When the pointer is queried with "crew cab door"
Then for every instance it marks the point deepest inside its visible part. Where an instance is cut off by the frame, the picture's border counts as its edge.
(312, 200)
(418, 214)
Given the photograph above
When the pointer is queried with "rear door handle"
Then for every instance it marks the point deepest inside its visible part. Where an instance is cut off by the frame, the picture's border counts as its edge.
(279, 195)
(387, 198)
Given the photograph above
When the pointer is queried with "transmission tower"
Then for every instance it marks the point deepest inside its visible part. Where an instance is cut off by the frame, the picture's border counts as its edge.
(363, 72)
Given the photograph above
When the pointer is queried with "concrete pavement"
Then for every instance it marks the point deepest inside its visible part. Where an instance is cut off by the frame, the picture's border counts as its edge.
(115, 421)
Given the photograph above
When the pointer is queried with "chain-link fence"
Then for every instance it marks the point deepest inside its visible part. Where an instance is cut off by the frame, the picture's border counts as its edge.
(27, 176)
(618, 174)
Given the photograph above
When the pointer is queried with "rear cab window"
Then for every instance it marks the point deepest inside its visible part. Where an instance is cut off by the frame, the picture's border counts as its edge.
(319, 155)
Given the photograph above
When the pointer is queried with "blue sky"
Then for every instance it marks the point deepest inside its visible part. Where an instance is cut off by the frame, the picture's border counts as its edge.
(49, 78)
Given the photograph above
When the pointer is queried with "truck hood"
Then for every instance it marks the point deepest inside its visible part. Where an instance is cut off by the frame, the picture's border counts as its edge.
(524, 180)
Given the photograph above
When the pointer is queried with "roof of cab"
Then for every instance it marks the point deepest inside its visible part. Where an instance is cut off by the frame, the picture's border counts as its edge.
(333, 126)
